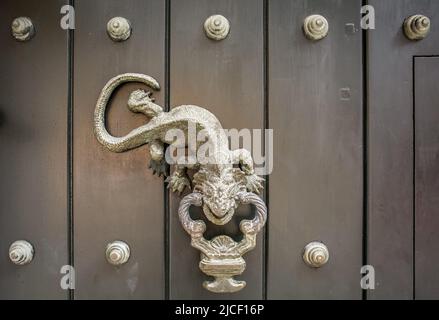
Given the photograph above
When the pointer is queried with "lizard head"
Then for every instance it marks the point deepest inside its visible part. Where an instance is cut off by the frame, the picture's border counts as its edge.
(219, 190)
(141, 101)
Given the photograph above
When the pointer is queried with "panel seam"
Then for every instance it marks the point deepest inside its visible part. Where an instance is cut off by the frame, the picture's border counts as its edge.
(365, 229)
(265, 239)
(166, 197)
(70, 217)
(414, 179)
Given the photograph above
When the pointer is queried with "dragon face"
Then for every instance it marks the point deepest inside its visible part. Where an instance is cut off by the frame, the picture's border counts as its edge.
(219, 193)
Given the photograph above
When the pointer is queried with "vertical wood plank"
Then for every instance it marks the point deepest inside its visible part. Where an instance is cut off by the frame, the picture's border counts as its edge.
(116, 197)
(390, 143)
(426, 177)
(33, 137)
(225, 77)
(315, 110)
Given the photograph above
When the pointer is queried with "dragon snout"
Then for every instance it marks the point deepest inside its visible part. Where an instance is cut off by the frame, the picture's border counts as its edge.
(218, 210)
(219, 198)
(220, 207)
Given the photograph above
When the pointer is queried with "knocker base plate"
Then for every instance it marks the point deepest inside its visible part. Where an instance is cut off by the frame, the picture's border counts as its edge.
(223, 266)
(222, 285)
(221, 257)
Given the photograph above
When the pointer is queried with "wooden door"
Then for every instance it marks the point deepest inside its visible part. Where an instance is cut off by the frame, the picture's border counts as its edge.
(33, 159)
(227, 78)
(115, 196)
(315, 190)
(354, 149)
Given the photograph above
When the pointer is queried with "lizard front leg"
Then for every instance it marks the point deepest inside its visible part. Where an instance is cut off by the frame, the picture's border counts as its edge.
(179, 179)
(243, 158)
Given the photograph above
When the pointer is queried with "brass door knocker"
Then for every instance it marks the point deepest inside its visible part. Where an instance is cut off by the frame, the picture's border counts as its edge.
(217, 185)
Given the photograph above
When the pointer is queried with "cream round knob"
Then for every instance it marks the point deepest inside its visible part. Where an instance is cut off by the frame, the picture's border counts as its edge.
(315, 27)
(117, 253)
(416, 27)
(119, 29)
(21, 252)
(22, 29)
(217, 27)
(315, 254)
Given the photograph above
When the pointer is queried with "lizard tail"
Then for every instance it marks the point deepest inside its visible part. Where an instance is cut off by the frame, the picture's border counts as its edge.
(136, 137)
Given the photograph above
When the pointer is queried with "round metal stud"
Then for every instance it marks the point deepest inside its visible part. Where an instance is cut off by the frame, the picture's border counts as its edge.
(217, 27)
(21, 252)
(22, 29)
(117, 253)
(119, 29)
(416, 27)
(315, 254)
(315, 27)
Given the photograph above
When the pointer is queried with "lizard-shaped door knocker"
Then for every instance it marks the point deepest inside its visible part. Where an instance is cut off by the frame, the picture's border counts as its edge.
(218, 186)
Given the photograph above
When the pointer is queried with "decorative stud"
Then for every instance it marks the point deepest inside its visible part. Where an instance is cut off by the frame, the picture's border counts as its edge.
(315, 254)
(315, 27)
(117, 253)
(21, 252)
(416, 27)
(119, 29)
(217, 27)
(22, 29)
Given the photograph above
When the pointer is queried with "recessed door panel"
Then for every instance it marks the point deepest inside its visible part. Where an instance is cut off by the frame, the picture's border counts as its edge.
(33, 156)
(116, 196)
(316, 188)
(226, 78)
(426, 74)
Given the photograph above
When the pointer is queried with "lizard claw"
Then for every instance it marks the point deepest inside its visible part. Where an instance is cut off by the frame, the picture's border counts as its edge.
(158, 167)
(254, 183)
(177, 182)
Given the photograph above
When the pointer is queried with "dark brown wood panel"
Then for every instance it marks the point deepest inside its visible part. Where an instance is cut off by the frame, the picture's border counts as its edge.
(116, 197)
(315, 110)
(390, 143)
(426, 79)
(33, 138)
(225, 77)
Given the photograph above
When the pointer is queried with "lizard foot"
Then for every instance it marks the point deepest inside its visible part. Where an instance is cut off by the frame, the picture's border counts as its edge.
(177, 182)
(254, 183)
(158, 167)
